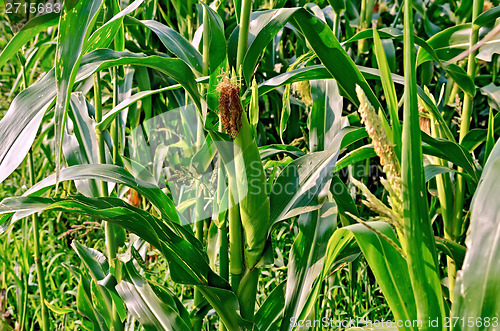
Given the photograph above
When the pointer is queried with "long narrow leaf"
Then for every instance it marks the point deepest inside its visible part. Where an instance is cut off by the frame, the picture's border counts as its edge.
(188, 263)
(306, 258)
(144, 304)
(75, 26)
(28, 32)
(419, 238)
(477, 283)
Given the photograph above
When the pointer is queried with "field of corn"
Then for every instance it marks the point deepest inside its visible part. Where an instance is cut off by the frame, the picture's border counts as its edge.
(249, 165)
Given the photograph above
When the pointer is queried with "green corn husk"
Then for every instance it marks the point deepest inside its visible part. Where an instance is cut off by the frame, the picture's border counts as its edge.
(249, 173)
(254, 205)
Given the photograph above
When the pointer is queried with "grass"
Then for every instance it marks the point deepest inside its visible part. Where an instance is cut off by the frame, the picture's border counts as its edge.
(235, 165)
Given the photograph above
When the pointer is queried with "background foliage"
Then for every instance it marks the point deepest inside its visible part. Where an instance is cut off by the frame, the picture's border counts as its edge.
(184, 165)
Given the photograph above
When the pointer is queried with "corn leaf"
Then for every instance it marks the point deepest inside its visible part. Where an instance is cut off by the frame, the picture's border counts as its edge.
(325, 117)
(341, 248)
(389, 91)
(144, 304)
(266, 24)
(389, 268)
(296, 189)
(477, 283)
(103, 37)
(457, 73)
(419, 239)
(306, 258)
(173, 41)
(188, 263)
(359, 154)
(145, 185)
(270, 313)
(75, 26)
(28, 32)
(19, 126)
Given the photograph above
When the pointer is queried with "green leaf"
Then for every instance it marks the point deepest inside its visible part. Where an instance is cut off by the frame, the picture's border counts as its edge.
(338, 6)
(474, 138)
(80, 143)
(461, 78)
(305, 73)
(310, 73)
(306, 257)
(324, 120)
(333, 56)
(465, 9)
(104, 295)
(389, 268)
(111, 115)
(145, 305)
(359, 154)
(430, 106)
(84, 304)
(95, 261)
(344, 200)
(173, 41)
(217, 41)
(176, 242)
(433, 170)
(419, 238)
(237, 6)
(492, 91)
(389, 91)
(102, 59)
(353, 134)
(392, 33)
(75, 26)
(301, 181)
(104, 36)
(446, 44)
(19, 126)
(457, 73)
(477, 283)
(488, 16)
(341, 248)
(144, 184)
(101, 301)
(490, 138)
(450, 151)
(227, 306)
(272, 150)
(217, 58)
(56, 309)
(452, 249)
(263, 28)
(320, 72)
(83, 129)
(270, 313)
(322, 41)
(188, 263)
(28, 32)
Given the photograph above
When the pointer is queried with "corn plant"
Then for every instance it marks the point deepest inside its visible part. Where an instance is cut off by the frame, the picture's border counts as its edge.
(241, 165)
